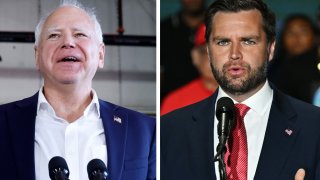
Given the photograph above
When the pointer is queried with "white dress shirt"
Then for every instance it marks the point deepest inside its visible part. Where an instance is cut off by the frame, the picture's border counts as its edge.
(255, 122)
(77, 142)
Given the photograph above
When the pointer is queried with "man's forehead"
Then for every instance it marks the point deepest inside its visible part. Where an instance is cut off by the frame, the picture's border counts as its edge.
(65, 17)
(242, 24)
(68, 13)
(242, 18)
(238, 14)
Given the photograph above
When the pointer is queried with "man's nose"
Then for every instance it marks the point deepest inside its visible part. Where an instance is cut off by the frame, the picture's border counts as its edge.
(68, 42)
(235, 51)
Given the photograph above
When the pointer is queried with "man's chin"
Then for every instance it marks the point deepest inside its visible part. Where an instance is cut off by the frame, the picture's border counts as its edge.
(241, 88)
(236, 86)
(235, 90)
(68, 81)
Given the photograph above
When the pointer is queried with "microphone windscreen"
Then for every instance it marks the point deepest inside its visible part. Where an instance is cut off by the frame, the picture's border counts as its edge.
(96, 165)
(55, 163)
(225, 105)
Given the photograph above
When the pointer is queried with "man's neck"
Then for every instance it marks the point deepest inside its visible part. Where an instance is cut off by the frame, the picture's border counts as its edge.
(68, 103)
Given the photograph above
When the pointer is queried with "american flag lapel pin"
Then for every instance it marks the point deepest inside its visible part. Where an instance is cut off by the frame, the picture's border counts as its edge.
(288, 131)
(117, 119)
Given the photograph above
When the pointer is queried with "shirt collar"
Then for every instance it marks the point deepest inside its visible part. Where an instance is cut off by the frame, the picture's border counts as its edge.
(44, 104)
(94, 104)
(256, 102)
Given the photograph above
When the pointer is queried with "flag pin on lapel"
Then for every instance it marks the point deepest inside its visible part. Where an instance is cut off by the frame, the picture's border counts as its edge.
(117, 119)
(289, 131)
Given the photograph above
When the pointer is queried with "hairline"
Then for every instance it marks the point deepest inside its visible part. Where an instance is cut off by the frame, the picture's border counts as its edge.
(90, 12)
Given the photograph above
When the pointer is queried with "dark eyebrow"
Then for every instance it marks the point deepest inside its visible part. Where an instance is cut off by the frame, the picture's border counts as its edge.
(220, 38)
(251, 37)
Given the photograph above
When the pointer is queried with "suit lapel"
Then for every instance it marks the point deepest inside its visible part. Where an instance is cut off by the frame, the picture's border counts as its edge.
(115, 126)
(280, 136)
(22, 127)
(201, 135)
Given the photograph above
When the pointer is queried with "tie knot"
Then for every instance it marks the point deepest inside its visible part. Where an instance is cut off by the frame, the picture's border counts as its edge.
(242, 109)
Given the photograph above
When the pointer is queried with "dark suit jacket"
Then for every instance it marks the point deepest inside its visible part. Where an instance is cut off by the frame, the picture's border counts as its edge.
(130, 144)
(187, 141)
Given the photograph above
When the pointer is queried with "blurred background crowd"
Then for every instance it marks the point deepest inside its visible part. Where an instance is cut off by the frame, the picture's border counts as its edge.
(185, 70)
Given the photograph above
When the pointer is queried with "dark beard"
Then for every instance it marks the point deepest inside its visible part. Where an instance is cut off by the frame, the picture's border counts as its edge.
(256, 78)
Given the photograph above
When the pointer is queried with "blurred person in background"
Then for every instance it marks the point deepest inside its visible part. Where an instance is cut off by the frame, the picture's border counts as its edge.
(199, 88)
(177, 34)
(318, 17)
(318, 26)
(295, 66)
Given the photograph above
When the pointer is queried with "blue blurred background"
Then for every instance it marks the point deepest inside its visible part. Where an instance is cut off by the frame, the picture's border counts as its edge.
(282, 8)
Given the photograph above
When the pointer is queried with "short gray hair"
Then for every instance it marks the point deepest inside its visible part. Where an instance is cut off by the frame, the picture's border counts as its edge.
(73, 3)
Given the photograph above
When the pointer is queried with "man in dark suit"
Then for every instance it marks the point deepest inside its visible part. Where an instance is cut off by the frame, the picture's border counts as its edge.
(282, 133)
(66, 118)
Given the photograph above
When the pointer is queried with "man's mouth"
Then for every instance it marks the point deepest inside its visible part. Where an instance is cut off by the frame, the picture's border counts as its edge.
(70, 59)
(236, 70)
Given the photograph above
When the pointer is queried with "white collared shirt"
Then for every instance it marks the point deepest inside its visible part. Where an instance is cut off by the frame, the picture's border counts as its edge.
(77, 142)
(255, 122)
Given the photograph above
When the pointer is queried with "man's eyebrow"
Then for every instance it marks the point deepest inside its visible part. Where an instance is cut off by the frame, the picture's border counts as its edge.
(242, 38)
(251, 37)
(220, 38)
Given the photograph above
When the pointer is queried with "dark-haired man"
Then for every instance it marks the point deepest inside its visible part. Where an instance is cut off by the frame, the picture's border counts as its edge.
(276, 137)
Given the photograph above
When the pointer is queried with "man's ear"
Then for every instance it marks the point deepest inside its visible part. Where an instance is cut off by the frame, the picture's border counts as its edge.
(207, 47)
(271, 50)
(102, 50)
(36, 55)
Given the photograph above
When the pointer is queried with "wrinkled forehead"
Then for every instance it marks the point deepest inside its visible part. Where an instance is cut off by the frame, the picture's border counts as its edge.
(249, 16)
(233, 21)
(68, 16)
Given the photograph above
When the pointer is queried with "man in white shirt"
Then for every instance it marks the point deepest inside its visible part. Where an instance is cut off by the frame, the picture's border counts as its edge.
(66, 118)
(282, 136)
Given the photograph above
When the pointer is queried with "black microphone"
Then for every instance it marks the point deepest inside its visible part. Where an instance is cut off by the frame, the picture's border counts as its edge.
(58, 169)
(97, 170)
(225, 114)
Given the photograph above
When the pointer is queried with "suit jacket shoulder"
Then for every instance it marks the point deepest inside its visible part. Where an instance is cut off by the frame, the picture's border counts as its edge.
(134, 115)
(187, 142)
(181, 115)
(17, 127)
(292, 139)
(131, 139)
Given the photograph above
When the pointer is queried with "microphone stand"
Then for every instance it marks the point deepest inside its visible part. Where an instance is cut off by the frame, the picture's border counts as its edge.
(221, 150)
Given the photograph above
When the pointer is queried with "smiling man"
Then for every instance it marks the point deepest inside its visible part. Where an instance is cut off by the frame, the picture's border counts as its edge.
(274, 137)
(66, 118)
